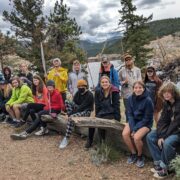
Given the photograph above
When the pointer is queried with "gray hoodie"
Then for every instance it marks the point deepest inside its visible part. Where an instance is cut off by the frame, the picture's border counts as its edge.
(73, 79)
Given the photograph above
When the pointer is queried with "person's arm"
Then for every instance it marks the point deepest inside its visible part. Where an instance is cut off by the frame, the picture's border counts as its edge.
(70, 84)
(63, 76)
(148, 116)
(116, 78)
(97, 102)
(13, 98)
(24, 93)
(130, 114)
(139, 77)
(116, 105)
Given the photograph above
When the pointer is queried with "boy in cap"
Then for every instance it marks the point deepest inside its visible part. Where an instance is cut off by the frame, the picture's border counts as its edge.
(81, 106)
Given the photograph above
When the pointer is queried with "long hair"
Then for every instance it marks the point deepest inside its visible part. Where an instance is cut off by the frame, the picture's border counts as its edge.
(171, 88)
(38, 88)
(7, 90)
(20, 83)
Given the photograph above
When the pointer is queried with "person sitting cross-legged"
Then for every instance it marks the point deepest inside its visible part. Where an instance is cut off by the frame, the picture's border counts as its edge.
(81, 106)
(163, 141)
(55, 104)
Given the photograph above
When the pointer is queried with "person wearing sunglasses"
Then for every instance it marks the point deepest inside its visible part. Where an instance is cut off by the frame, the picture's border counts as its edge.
(153, 83)
(128, 75)
(107, 69)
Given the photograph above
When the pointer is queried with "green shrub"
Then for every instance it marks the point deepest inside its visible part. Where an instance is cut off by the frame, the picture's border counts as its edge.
(175, 165)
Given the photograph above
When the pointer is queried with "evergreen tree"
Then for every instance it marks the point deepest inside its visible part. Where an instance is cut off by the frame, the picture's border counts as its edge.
(61, 26)
(136, 34)
(28, 23)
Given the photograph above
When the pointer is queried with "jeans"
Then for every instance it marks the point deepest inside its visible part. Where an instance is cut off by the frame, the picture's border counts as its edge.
(162, 156)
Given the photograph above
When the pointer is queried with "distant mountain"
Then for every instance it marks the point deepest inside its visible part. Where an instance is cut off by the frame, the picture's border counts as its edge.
(158, 29)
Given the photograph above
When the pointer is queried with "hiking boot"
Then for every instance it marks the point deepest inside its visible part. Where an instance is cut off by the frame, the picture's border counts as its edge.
(64, 143)
(140, 161)
(19, 124)
(156, 169)
(132, 159)
(161, 174)
(20, 136)
(42, 131)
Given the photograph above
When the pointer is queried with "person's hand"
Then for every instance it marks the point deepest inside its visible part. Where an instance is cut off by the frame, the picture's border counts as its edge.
(160, 142)
(132, 134)
(57, 74)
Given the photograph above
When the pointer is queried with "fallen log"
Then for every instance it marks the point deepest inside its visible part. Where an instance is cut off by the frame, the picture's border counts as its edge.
(113, 127)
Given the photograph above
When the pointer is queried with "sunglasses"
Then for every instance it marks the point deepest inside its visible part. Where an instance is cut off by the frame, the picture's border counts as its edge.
(104, 62)
(128, 59)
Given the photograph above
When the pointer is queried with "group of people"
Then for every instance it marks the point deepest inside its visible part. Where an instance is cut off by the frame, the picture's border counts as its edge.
(144, 100)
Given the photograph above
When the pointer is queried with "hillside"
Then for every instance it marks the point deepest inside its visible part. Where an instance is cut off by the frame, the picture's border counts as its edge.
(158, 29)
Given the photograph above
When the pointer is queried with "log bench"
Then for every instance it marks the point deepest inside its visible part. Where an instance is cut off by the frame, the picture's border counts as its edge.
(113, 127)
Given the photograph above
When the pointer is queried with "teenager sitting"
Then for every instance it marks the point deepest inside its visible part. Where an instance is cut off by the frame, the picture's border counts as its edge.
(163, 141)
(81, 106)
(140, 119)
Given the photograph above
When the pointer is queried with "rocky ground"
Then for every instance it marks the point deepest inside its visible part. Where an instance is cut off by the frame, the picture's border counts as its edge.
(40, 158)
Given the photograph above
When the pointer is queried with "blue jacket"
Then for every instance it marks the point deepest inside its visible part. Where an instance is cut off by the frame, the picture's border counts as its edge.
(113, 77)
(140, 111)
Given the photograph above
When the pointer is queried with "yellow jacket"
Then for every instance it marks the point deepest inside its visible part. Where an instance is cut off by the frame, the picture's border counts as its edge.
(60, 77)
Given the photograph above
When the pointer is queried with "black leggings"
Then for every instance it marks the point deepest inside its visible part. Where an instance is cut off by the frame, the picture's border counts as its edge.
(31, 109)
(38, 122)
(101, 132)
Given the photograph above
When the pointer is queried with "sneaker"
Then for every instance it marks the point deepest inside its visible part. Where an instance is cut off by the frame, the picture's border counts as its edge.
(156, 169)
(140, 161)
(19, 124)
(64, 143)
(20, 136)
(42, 131)
(11, 121)
(132, 159)
(161, 174)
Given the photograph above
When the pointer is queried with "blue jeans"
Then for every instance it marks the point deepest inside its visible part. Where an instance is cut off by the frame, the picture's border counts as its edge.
(162, 156)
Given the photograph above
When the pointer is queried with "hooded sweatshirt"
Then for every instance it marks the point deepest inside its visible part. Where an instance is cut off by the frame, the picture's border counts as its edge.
(140, 111)
(107, 106)
(73, 79)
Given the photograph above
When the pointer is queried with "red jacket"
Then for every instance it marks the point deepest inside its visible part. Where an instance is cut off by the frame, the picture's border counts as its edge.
(55, 101)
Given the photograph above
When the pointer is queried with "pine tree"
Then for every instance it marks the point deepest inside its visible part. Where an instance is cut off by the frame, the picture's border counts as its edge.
(136, 34)
(28, 23)
(61, 26)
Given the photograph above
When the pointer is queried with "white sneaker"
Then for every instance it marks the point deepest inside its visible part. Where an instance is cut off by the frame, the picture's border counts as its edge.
(64, 143)
(42, 131)
(20, 136)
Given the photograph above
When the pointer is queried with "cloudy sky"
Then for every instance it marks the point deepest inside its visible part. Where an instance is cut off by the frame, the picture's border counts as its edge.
(99, 18)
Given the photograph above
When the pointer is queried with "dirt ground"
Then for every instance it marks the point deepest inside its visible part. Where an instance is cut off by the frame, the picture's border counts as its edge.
(40, 158)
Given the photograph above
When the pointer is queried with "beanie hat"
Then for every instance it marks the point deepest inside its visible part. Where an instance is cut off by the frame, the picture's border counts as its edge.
(81, 82)
(105, 77)
(50, 83)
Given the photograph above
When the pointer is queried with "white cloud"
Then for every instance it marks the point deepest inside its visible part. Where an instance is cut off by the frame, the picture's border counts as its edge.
(97, 18)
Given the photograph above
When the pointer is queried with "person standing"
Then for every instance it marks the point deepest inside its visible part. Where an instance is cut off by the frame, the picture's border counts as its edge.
(25, 75)
(7, 74)
(140, 120)
(74, 76)
(153, 83)
(59, 75)
(163, 141)
(128, 75)
(108, 70)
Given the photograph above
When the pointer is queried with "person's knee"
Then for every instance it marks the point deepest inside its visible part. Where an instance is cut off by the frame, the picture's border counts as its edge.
(15, 107)
(8, 108)
(125, 134)
(137, 138)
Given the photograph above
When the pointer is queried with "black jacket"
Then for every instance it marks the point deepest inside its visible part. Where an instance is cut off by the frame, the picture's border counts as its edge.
(84, 102)
(107, 106)
(169, 122)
